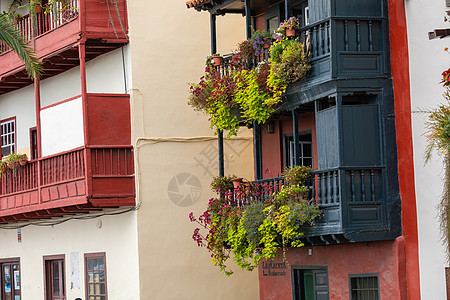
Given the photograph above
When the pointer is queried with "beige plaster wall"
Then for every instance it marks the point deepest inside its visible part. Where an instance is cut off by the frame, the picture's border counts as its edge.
(176, 152)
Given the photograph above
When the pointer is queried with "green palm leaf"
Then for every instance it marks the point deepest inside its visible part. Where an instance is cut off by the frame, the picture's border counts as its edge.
(16, 41)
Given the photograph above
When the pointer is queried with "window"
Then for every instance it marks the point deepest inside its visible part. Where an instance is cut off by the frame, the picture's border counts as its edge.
(95, 270)
(310, 284)
(305, 149)
(8, 136)
(33, 143)
(54, 277)
(273, 17)
(364, 286)
(10, 272)
(300, 10)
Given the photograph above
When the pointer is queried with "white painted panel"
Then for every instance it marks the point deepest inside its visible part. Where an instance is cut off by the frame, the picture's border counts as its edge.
(61, 87)
(105, 74)
(20, 104)
(427, 61)
(62, 127)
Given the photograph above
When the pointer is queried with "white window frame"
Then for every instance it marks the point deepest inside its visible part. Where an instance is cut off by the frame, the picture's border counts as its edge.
(8, 135)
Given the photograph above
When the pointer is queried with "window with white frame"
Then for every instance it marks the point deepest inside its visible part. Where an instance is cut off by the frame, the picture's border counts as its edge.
(8, 136)
(305, 149)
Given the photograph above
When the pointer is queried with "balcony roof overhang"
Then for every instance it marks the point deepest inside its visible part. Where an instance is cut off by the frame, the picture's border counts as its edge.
(221, 7)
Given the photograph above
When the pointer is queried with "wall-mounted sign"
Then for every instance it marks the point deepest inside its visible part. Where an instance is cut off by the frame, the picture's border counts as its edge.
(270, 268)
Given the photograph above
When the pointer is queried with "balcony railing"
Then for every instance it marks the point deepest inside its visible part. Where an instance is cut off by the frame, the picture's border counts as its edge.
(316, 42)
(101, 176)
(351, 198)
(45, 21)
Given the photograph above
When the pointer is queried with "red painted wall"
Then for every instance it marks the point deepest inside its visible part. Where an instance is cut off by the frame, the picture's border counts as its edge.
(273, 151)
(384, 258)
(400, 78)
(109, 119)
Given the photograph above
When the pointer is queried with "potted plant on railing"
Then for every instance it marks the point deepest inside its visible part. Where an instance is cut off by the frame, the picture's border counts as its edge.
(246, 51)
(258, 229)
(287, 28)
(260, 40)
(222, 184)
(215, 59)
(14, 161)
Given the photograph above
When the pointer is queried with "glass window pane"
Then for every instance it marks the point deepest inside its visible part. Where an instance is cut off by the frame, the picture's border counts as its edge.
(96, 277)
(90, 277)
(90, 264)
(102, 276)
(91, 289)
(101, 264)
(102, 289)
(307, 150)
(97, 289)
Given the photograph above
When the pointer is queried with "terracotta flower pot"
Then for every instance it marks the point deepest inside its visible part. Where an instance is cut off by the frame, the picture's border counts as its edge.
(290, 32)
(38, 8)
(237, 182)
(217, 60)
(23, 162)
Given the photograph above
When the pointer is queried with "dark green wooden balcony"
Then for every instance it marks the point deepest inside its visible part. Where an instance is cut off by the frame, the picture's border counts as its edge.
(353, 201)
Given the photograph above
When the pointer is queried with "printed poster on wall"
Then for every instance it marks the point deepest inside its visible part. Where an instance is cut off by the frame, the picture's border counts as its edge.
(16, 280)
(7, 283)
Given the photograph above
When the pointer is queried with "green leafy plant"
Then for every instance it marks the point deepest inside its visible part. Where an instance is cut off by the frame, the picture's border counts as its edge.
(256, 230)
(288, 61)
(212, 96)
(255, 102)
(222, 184)
(438, 136)
(297, 175)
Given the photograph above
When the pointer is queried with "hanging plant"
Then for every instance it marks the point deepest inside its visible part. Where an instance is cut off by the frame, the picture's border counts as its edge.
(438, 136)
(288, 60)
(213, 96)
(256, 231)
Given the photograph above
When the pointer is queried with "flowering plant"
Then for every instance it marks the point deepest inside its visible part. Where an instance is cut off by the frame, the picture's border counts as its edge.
(291, 23)
(254, 231)
(259, 40)
(246, 50)
(212, 96)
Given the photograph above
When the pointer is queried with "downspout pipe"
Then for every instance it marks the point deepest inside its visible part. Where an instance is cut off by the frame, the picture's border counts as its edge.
(295, 134)
(219, 132)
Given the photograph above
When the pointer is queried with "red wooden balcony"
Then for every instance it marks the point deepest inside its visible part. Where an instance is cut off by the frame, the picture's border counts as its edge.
(81, 180)
(101, 25)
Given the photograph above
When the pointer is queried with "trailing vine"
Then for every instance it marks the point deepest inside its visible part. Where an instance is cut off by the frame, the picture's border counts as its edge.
(255, 231)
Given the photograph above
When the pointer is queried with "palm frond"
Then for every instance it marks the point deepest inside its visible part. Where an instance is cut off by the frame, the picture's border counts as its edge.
(16, 41)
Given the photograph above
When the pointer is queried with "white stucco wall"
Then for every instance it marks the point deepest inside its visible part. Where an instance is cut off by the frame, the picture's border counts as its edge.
(104, 74)
(427, 61)
(115, 235)
(20, 104)
(62, 127)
